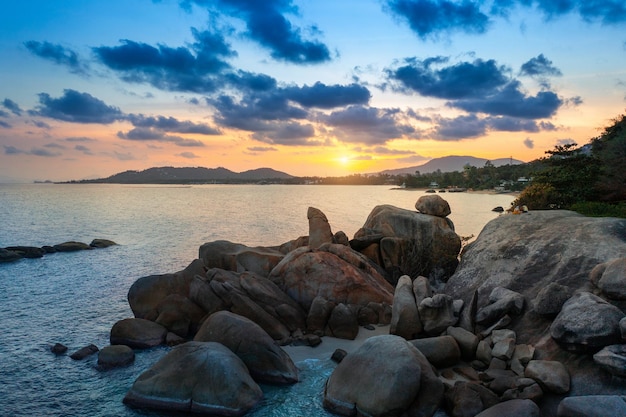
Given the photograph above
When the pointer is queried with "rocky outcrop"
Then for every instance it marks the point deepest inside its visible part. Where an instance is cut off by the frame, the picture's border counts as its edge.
(239, 258)
(14, 253)
(137, 333)
(405, 242)
(266, 361)
(197, 377)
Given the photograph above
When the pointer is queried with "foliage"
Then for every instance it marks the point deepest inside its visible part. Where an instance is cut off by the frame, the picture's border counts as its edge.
(539, 196)
(600, 209)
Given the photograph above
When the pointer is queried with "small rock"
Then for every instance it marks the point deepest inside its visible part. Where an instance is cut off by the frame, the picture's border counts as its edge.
(71, 246)
(115, 356)
(504, 349)
(437, 313)
(551, 375)
(433, 205)
(58, 349)
(502, 301)
(483, 351)
(613, 359)
(102, 243)
(467, 341)
(500, 324)
(82, 353)
(338, 355)
(172, 339)
(501, 334)
(512, 408)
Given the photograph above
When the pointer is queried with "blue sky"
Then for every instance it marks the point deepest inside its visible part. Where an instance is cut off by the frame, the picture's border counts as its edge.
(92, 88)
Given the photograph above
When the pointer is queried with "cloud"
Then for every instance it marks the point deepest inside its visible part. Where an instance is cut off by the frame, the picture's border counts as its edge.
(191, 69)
(150, 134)
(188, 155)
(512, 124)
(171, 124)
(54, 145)
(267, 25)
(540, 66)
(382, 150)
(430, 18)
(59, 55)
(529, 143)
(5, 124)
(12, 106)
(39, 124)
(124, 156)
(461, 127)
(80, 139)
(12, 150)
(368, 125)
(83, 149)
(510, 101)
(430, 78)
(288, 133)
(262, 149)
(77, 107)
(328, 96)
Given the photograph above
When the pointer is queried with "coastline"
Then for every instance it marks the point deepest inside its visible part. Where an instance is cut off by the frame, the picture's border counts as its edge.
(330, 344)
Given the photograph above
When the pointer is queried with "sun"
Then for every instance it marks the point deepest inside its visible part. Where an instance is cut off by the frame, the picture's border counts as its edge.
(344, 160)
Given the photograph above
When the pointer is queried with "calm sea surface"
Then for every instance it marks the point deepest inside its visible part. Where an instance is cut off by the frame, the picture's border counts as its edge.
(75, 298)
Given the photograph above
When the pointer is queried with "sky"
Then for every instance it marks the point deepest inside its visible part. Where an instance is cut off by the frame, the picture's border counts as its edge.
(309, 87)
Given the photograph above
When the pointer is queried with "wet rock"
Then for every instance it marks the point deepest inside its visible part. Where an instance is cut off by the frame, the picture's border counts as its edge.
(83, 352)
(27, 251)
(71, 246)
(338, 355)
(115, 356)
(9, 255)
(58, 349)
(197, 377)
(102, 243)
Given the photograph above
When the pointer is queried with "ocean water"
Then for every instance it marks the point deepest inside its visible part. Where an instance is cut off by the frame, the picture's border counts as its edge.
(75, 298)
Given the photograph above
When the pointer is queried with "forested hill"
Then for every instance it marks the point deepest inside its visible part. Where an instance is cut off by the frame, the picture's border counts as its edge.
(171, 175)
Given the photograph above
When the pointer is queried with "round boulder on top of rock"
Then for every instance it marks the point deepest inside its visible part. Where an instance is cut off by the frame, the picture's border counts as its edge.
(587, 323)
(197, 377)
(433, 205)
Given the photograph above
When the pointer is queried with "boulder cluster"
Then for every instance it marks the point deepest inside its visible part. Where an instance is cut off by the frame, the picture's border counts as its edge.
(530, 322)
(14, 253)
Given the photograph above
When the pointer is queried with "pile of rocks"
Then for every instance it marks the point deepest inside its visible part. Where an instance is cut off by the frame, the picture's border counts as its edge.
(14, 253)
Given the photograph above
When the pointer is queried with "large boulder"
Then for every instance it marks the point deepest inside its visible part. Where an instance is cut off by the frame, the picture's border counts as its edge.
(405, 319)
(265, 360)
(319, 228)
(239, 258)
(380, 378)
(587, 323)
(197, 377)
(334, 272)
(410, 243)
(145, 295)
(115, 356)
(612, 281)
(137, 333)
(593, 406)
(433, 205)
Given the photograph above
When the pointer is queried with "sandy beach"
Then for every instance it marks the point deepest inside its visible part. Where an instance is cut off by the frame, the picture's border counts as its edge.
(330, 344)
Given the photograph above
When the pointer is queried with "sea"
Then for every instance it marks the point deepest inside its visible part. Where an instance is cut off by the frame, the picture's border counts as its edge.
(75, 298)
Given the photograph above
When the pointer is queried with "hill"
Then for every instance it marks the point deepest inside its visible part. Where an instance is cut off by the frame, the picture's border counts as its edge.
(451, 164)
(171, 175)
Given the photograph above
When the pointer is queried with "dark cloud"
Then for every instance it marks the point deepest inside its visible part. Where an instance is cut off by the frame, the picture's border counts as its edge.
(288, 133)
(39, 124)
(512, 124)
(5, 124)
(540, 66)
(12, 106)
(510, 101)
(124, 156)
(12, 150)
(59, 55)
(381, 150)
(188, 155)
(262, 149)
(463, 80)
(429, 18)
(191, 69)
(529, 143)
(80, 139)
(150, 134)
(171, 124)
(82, 148)
(328, 96)
(54, 145)
(603, 11)
(77, 107)
(267, 25)
(458, 128)
(368, 125)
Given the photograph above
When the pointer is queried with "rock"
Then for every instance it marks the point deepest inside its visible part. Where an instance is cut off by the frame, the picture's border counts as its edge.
(102, 243)
(9, 255)
(115, 356)
(467, 319)
(319, 229)
(83, 352)
(179, 315)
(500, 334)
(146, 293)
(239, 258)
(368, 380)
(334, 272)
(437, 313)
(405, 319)
(550, 299)
(524, 391)
(467, 341)
(502, 301)
(524, 353)
(466, 399)
(613, 279)
(622, 327)
(197, 377)
(500, 324)
(587, 323)
(341, 238)
(338, 355)
(503, 349)
(58, 349)
(512, 408)
(413, 243)
(137, 333)
(319, 313)
(441, 351)
(592, 406)
(483, 352)
(172, 339)
(26, 251)
(551, 375)
(342, 323)
(71, 246)
(265, 360)
(613, 359)
(433, 205)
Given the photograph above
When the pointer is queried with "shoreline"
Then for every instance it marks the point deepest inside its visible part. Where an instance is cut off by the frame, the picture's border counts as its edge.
(330, 344)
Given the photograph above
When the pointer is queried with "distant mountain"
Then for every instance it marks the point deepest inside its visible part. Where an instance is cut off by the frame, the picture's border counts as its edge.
(171, 175)
(451, 164)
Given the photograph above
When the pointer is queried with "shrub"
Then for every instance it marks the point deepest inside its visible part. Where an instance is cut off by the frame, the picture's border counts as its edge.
(600, 209)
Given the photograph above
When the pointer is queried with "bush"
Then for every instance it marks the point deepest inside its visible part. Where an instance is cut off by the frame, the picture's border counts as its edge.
(538, 196)
(600, 209)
